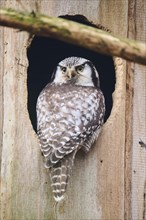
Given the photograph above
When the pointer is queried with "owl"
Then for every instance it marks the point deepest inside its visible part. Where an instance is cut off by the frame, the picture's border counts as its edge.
(70, 115)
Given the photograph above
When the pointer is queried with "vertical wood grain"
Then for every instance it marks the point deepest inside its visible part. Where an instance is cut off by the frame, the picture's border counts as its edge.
(114, 19)
(96, 188)
(129, 115)
(1, 98)
(139, 123)
(113, 14)
(1, 89)
(24, 186)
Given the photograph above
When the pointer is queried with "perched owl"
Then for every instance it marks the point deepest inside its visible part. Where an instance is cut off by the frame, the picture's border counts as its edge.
(70, 114)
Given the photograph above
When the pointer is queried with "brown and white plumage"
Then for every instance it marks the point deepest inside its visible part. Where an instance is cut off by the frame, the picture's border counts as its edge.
(70, 114)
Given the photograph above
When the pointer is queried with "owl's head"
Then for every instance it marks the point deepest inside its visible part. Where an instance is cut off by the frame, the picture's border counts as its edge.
(76, 70)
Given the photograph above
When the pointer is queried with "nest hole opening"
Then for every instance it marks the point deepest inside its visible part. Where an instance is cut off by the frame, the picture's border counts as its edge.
(45, 53)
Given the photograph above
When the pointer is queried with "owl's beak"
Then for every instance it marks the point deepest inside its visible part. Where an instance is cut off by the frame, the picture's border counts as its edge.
(71, 74)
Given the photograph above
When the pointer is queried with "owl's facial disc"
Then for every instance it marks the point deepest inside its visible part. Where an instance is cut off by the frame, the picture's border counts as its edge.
(75, 70)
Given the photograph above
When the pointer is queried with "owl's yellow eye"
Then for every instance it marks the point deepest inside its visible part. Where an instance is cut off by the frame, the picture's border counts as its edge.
(63, 69)
(80, 68)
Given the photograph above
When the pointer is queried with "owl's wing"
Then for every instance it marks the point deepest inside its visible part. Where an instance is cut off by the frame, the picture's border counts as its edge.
(56, 145)
(65, 125)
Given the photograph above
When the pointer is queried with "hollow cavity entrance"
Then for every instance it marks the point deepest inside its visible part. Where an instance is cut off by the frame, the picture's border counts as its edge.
(45, 53)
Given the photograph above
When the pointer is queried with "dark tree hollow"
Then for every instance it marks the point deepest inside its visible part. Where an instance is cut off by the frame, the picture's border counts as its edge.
(45, 53)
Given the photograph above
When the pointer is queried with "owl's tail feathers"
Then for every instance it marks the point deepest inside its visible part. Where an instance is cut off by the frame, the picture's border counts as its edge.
(60, 174)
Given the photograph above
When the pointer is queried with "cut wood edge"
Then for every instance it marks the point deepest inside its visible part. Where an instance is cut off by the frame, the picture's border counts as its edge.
(119, 92)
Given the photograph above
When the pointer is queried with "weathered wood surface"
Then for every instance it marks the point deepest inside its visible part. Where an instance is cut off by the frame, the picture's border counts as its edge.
(1, 89)
(128, 116)
(96, 190)
(139, 122)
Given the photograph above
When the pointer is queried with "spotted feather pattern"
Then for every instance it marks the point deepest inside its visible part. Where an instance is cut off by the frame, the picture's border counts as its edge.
(69, 117)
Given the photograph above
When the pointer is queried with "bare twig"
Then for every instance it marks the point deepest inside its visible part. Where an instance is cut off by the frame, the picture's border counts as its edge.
(75, 33)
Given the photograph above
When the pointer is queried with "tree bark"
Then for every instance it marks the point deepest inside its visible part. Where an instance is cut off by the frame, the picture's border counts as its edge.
(74, 33)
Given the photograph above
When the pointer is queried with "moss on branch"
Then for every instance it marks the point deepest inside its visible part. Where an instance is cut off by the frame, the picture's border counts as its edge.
(74, 33)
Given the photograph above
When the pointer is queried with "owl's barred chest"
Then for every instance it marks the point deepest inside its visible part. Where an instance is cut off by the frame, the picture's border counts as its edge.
(78, 104)
(64, 98)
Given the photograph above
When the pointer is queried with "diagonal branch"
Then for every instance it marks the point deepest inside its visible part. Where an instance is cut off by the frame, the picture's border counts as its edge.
(74, 33)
